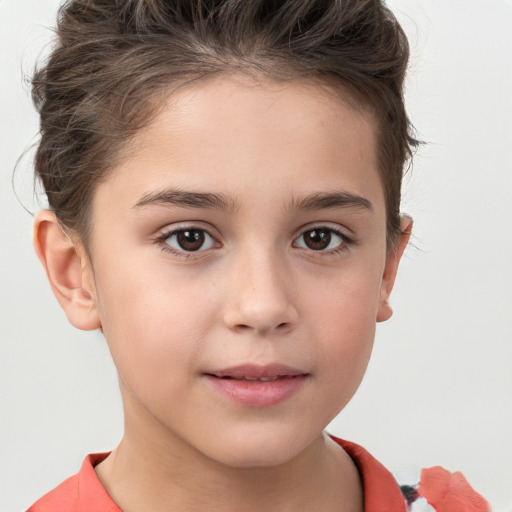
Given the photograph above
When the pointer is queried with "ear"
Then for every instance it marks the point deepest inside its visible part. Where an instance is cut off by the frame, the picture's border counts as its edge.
(68, 270)
(384, 311)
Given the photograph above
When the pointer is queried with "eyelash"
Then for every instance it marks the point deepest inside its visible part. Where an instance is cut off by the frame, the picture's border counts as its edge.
(164, 236)
(165, 247)
(346, 241)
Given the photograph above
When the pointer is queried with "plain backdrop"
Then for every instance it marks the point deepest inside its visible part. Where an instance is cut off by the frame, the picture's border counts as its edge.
(439, 386)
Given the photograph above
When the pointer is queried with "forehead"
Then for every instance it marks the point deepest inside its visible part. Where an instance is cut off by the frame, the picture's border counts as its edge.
(223, 132)
(293, 110)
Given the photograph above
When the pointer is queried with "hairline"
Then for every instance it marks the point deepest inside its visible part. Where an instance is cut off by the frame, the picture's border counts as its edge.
(329, 85)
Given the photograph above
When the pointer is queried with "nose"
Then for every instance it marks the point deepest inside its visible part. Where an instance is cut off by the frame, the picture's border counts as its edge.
(261, 297)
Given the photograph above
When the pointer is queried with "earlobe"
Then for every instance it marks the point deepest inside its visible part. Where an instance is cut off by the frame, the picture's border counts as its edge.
(68, 270)
(385, 311)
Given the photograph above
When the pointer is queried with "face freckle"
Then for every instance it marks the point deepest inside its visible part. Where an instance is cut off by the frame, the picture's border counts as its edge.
(241, 178)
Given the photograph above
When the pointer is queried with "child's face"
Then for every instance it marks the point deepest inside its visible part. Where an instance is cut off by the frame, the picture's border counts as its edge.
(247, 227)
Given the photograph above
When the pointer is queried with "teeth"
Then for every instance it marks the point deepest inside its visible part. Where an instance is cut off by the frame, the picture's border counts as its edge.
(262, 379)
(254, 379)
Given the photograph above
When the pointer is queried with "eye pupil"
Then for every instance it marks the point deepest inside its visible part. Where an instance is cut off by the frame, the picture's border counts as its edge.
(190, 239)
(317, 239)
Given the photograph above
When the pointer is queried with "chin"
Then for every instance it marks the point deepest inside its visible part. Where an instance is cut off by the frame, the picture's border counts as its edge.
(261, 450)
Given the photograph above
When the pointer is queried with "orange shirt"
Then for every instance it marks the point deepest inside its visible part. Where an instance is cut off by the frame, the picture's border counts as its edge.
(83, 492)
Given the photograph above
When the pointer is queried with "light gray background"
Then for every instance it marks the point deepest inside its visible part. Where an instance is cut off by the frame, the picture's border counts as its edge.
(439, 386)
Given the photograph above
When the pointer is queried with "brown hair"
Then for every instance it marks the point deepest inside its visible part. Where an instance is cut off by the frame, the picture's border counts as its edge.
(114, 60)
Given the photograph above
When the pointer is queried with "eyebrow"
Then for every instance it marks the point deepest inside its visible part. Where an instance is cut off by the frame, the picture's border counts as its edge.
(327, 200)
(315, 201)
(188, 200)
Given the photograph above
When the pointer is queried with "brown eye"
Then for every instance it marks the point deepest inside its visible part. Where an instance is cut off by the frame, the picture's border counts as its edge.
(319, 239)
(190, 240)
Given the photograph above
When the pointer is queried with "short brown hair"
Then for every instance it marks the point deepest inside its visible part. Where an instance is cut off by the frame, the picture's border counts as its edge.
(115, 59)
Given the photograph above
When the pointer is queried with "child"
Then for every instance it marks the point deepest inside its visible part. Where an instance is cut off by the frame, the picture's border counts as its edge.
(224, 187)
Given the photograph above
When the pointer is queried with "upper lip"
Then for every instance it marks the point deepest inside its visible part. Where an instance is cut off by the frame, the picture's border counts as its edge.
(254, 371)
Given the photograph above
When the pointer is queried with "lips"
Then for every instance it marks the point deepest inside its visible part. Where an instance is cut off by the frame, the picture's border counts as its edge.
(257, 386)
(252, 372)
(253, 379)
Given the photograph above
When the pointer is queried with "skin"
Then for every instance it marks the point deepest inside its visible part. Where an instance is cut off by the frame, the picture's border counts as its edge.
(255, 292)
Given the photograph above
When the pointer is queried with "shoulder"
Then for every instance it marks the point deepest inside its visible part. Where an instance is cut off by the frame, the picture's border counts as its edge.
(59, 499)
(437, 489)
(82, 492)
(380, 489)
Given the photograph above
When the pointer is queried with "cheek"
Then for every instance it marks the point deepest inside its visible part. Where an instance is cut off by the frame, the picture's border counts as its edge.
(345, 329)
(344, 352)
(346, 341)
(152, 329)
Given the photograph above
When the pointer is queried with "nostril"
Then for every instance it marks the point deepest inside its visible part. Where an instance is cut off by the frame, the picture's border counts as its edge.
(245, 327)
(262, 317)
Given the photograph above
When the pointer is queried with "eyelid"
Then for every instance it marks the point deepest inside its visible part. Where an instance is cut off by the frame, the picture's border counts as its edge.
(343, 231)
(165, 233)
(347, 240)
(170, 228)
(207, 240)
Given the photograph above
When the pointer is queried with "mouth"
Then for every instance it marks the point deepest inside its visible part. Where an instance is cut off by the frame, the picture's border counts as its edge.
(257, 386)
(253, 379)
(251, 372)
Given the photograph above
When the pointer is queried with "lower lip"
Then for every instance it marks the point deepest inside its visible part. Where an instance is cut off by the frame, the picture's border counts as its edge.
(257, 393)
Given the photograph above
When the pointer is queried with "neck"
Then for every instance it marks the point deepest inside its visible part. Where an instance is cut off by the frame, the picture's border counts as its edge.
(153, 471)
